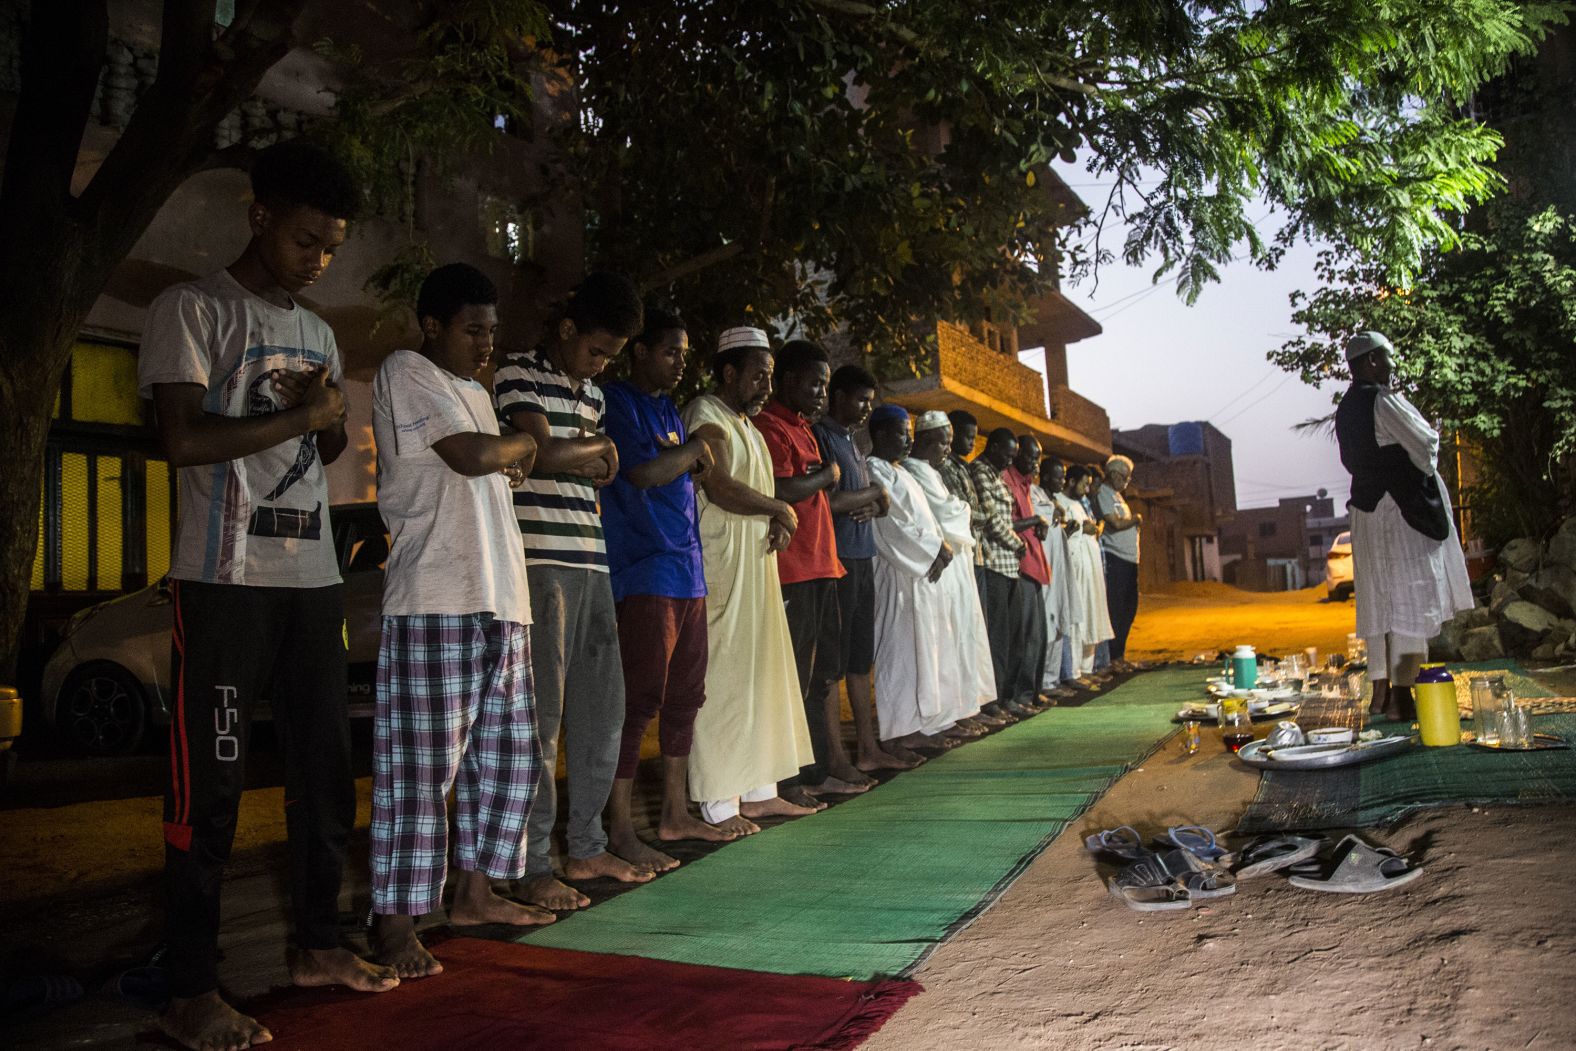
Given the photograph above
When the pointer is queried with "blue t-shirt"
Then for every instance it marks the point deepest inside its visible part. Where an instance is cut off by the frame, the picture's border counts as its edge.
(854, 539)
(653, 535)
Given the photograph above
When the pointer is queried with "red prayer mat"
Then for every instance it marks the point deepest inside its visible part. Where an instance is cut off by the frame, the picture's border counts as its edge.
(495, 994)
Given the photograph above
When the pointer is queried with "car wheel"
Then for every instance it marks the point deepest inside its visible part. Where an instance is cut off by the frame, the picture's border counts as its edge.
(101, 710)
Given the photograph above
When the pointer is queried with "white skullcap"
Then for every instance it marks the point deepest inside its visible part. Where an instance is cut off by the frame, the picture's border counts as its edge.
(743, 336)
(1366, 343)
(930, 420)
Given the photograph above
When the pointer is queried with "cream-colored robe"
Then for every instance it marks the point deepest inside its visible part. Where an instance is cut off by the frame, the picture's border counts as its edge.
(751, 730)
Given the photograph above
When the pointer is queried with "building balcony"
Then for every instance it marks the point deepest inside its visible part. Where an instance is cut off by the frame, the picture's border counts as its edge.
(967, 373)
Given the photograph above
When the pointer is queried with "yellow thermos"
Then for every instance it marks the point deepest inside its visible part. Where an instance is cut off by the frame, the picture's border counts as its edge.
(1438, 717)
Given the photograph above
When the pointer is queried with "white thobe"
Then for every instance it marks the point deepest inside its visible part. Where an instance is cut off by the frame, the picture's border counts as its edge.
(1057, 597)
(1407, 585)
(910, 642)
(1089, 619)
(969, 679)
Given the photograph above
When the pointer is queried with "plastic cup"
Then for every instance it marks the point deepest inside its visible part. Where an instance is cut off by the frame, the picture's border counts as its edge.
(1488, 698)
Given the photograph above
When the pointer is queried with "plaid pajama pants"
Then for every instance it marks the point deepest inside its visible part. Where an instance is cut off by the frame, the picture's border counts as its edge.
(455, 708)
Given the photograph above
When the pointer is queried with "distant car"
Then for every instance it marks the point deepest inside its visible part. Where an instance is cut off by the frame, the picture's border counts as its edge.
(1338, 574)
(109, 682)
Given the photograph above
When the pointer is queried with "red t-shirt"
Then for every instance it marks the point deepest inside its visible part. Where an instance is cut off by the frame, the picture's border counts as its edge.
(812, 553)
(1033, 564)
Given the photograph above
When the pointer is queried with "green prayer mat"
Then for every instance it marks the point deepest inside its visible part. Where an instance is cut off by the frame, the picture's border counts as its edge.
(867, 888)
(1382, 791)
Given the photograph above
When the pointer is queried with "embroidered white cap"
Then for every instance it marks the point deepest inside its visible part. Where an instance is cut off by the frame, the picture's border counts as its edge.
(743, 336)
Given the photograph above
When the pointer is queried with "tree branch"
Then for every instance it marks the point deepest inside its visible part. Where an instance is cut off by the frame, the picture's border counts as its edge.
(720, 254)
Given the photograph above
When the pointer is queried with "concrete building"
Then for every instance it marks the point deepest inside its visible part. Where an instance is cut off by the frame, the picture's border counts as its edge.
(1281, 548)
(1189, 465)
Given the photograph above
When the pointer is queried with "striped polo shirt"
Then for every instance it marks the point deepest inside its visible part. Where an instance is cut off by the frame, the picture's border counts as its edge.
(558, 513)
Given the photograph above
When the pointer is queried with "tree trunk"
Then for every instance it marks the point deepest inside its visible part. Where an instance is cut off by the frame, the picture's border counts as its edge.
(57, 251)
(34, 348)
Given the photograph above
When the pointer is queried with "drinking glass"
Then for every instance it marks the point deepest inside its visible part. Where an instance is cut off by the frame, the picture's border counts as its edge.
(1514, 726)
(1489, 693)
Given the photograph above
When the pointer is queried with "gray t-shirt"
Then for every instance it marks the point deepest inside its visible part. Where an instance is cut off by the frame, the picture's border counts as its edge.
(1121, 543)
(261, 520)
(453, 544)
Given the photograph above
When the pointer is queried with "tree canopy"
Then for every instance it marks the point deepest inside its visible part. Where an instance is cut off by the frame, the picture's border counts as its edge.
(880, 165)
(1486, 345)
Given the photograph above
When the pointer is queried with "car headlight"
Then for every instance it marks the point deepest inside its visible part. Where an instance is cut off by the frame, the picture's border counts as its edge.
(79, 618)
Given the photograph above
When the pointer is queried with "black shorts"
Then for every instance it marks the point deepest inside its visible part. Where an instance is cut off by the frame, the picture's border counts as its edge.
(856, 597)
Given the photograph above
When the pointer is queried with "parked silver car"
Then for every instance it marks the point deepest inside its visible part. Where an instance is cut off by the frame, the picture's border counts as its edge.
(1338, 577)
(109, 682)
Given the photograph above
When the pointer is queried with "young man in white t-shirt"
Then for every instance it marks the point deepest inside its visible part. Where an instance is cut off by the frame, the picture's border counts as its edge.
(454, 695)
(244, 382)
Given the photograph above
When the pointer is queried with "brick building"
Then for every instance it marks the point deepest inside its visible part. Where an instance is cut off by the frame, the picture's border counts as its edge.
(1281, 548)
(1189, 466)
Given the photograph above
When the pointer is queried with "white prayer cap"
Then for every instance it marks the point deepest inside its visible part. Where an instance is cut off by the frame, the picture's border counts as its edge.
(743, 336)
(1367, 343)
(930, 420)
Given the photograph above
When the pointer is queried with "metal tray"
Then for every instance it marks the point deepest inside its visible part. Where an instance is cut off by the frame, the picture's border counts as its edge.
(1277, 710)
(1347, 755)
(1540, 743)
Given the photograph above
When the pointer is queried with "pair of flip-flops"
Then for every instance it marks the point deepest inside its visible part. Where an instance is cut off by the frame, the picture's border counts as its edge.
(1187, 867)
(1355, 867)
(1352, 867)
(1125, 843)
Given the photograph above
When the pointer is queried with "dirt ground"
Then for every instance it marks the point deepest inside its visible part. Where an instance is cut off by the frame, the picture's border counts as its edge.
(1188, 619)
(1478, 954)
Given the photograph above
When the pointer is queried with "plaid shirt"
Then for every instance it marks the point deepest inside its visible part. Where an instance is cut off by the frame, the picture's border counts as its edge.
(1003, 548)
(955, 476)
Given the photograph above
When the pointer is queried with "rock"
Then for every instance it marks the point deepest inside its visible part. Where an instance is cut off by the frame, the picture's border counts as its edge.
(1553, 587)
(1562, 548)
(1547, 651)
(1502, 595)
(1446, 646)
(1523, 625)
(1481, 644)
(1476, 617)
(1522, 553)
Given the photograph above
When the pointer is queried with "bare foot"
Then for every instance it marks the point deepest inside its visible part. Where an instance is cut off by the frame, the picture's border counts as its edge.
(313, 967)
(836, 786)
(846, 772)
(799, 796)
(958, 731)
(903, 755)
(777, 806)
(642, 854)
(207, 1023)
(736, 826)
(886, 758)
(551, 894)
(395, 945)
(605, 864)
(690, 827)
(495, 908)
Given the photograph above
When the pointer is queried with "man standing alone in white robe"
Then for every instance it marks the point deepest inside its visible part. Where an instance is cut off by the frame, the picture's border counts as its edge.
(1409, 570)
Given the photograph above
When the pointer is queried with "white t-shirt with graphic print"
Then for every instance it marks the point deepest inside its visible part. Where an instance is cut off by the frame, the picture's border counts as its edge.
(260, 520)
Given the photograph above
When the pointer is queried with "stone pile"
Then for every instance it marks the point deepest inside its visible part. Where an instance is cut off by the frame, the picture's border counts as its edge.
(1531, 610)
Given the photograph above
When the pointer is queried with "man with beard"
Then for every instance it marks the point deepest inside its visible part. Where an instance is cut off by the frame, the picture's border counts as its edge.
(752, 734)
(968, 677)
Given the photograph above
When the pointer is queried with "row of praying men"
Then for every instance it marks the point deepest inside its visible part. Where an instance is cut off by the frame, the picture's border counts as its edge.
(567, 562)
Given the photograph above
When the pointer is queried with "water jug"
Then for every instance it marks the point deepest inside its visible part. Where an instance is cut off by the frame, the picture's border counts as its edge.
(1244, 668)
(1437, 715)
